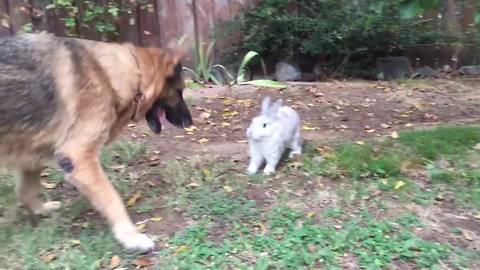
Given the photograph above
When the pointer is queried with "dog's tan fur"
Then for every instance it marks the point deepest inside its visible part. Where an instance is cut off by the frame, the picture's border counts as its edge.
(92, 113)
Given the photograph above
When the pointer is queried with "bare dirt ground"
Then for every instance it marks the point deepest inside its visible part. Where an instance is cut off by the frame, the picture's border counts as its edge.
(330, 111)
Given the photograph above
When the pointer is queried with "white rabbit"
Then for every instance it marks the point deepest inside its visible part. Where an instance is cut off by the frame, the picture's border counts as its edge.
(271, 133)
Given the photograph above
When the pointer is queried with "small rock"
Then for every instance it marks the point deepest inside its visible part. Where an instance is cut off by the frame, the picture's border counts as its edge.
(287, 72)
(426, 72)
(392, 68)
(469, 235)
(469, 70)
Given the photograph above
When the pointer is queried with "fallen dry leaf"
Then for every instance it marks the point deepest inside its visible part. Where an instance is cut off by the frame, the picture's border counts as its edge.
(48, 257)
(469, 235)
(308, 128)
(143, 262)
(430, 116)
(394, 135)
(207, 174)
(203, 141)
(399, 184)
(115, 262)
(359, 143)
(118, 168)
(477, 146)
(48, 185)
(205, 115)
(134, 198)
(181, 249)
(190, 129)
(262, 227)
(155, 219)
(154, 158)
(228, 189)
(193, 185)
(75, 242)
(141, 227)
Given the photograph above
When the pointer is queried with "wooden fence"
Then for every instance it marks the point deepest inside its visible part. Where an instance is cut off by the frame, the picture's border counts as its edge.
(142, 22)
(453, 55)
(159, 22)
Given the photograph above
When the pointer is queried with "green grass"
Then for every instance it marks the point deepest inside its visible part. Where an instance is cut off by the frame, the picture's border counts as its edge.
(432, 144)
(293, 241)
(362, 216)
(25, 247)
(419, 150)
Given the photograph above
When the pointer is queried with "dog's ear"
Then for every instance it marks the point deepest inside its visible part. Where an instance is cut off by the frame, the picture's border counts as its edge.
(179, 48)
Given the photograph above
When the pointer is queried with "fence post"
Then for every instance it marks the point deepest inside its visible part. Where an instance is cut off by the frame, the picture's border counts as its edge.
(20, 14)
(148, 24)
(5, 28)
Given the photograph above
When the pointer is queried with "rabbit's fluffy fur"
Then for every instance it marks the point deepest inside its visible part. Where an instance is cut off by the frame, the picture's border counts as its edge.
(271, 133)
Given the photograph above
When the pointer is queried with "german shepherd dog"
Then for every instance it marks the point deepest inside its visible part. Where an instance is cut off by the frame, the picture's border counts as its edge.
(62, 99)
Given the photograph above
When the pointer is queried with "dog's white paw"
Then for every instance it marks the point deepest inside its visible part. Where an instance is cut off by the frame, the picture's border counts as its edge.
(47, 207)
(136, 242)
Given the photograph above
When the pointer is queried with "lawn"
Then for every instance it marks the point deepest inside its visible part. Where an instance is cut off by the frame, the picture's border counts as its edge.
(409, 202)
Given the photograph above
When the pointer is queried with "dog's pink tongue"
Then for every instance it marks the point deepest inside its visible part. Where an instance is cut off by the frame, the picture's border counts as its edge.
(161, 115)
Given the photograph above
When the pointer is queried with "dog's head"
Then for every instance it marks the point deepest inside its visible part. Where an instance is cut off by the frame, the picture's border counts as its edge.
(162, 85)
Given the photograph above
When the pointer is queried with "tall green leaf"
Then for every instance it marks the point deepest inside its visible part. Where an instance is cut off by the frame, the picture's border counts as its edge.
(243, 66)
(266, 83)
(410, 9)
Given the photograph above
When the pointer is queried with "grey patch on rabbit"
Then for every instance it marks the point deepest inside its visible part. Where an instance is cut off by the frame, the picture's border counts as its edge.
(271, 133)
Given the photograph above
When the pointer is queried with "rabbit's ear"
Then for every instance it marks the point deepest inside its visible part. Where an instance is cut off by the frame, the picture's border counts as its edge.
(275, 107)
(266, 105)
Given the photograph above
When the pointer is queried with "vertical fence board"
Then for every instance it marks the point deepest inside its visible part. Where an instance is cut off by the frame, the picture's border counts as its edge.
(205, 17)
(160, 22)
(445, 55)
(149, 24)
(4, 19)
(427, 54)
(468, 14)
(176, 20)
(412, 54)
(40, 18)
(20, 14)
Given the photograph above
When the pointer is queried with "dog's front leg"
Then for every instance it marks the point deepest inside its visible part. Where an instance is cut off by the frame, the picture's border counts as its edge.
(83, 170)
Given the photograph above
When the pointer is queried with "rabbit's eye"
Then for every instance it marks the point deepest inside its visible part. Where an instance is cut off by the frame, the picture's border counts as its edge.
(264, 125)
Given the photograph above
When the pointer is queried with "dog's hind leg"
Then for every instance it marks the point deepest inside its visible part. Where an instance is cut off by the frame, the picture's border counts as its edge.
(28, 193)
(82, 169)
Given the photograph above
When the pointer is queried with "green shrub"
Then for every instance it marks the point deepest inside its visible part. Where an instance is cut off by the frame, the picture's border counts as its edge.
(338, 30)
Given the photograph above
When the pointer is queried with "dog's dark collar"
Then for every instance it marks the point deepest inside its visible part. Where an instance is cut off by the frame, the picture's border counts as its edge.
(139, 96)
